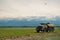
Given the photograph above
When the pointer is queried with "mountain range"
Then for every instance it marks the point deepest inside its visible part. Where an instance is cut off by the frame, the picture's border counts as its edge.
(29, 21)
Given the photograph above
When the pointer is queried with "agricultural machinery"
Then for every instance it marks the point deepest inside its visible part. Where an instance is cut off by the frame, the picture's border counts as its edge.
(45, 27)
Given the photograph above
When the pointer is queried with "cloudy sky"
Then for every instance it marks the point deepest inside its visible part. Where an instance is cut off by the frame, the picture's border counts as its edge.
(25, 8)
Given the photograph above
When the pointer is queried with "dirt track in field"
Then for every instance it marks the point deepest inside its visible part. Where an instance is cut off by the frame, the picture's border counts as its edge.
(31, 36)
(25, 37)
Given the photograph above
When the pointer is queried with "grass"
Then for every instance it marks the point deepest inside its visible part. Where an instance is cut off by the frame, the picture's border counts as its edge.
(8, 32)
(29, 34)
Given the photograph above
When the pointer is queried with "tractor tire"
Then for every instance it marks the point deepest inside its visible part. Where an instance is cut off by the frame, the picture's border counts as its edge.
(51, 29)
(38, 29)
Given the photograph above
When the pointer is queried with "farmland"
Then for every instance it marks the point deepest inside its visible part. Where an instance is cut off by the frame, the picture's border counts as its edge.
(28, 34)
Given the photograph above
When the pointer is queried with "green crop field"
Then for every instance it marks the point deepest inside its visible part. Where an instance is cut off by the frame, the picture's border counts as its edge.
(28, 34)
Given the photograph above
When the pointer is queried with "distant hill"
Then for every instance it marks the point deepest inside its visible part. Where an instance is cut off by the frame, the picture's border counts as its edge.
(29, 21)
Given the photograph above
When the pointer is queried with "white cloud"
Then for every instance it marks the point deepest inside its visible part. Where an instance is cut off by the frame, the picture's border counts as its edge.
(24, 8)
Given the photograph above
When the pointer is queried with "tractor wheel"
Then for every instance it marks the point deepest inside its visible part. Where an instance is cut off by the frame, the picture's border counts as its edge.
(39, 28)
(37, 31)
(51, 29)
